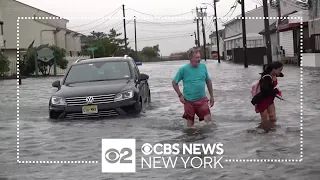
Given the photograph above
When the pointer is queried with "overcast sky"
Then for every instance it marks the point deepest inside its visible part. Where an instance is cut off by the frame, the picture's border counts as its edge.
(171, 37)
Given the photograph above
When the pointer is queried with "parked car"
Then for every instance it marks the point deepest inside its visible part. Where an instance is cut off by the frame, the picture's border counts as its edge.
(100, 87)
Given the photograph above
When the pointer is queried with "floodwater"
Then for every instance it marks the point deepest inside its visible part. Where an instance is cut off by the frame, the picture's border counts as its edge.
(43, 140)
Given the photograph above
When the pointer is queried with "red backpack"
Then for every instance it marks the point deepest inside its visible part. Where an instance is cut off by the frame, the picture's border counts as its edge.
(255, 88)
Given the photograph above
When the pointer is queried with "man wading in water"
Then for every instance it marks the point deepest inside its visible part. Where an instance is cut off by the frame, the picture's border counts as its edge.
(194, 76)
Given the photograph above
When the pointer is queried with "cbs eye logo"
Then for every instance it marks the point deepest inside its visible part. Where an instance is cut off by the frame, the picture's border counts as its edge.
(146, 149)
(113, 155)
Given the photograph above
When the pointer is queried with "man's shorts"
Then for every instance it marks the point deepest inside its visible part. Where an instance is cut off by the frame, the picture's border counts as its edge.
(199, 108)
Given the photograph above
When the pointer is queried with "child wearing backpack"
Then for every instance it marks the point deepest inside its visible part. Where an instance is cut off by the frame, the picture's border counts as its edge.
(263, 93)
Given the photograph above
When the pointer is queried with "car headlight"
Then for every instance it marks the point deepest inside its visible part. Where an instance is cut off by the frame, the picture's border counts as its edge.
(123, 95)
(58, 100)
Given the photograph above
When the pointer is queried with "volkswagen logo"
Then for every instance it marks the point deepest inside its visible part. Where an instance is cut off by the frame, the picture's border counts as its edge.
(89, 99)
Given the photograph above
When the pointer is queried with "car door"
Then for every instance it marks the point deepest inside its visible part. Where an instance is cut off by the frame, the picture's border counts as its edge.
(141, 85)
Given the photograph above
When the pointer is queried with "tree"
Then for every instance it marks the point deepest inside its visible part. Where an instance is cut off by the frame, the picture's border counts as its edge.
(4, 64)
(28, 64)
(112, 45)
(151, 51)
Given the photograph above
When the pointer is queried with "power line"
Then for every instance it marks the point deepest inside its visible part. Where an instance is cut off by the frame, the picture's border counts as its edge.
(165, 31)
(210, 25)
(101, 23)
(230, 27)
(122, 25)
(171, 34)
(96, 20)
(157, 15)
(151, 24)
(119, 25)
(234, 6)
(162, 26)
(234, 9)
(172, 37)
(115, 25)
(168, 22)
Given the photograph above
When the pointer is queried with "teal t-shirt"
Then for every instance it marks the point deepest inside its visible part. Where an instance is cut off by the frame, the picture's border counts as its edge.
(194, 81)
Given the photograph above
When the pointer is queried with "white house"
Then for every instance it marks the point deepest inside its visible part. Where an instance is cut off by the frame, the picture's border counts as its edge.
(314, 14)
(213, 42)
(312, 59)
(233, 28)
(42, 31)
(289, 35)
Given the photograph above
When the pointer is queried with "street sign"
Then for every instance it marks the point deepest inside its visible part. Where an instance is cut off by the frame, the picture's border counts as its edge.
(45, 54)
(92, 48)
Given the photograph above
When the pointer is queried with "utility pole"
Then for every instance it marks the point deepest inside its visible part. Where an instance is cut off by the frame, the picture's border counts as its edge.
(198, 27)
(267, 30)
(278, 33)
(204, 36)
(217, 33)
(195, 39)
(125, 31)
(135, 36)
(244, 33)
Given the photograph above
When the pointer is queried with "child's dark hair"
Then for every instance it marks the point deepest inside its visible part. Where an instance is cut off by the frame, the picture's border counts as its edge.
(270, 67)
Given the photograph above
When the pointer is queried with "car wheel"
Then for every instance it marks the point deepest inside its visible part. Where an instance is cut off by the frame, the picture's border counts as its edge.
(53, 115)
(138, 107)
(149, 97)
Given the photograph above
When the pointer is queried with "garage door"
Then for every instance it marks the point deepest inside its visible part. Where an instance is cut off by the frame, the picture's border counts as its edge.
(286, 41)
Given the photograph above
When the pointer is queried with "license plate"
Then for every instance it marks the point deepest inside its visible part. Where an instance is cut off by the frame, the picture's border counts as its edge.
(92, 109)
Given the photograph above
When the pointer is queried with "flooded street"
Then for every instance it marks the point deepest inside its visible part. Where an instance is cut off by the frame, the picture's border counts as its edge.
(43, 140)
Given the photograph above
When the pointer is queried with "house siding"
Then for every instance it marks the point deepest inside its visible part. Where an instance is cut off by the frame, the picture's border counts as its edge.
(40, 30)
(253, 26)
(214, 47)
(286, 41)
(61, 39)
(69, 43)
(314, 14)
(77, 43)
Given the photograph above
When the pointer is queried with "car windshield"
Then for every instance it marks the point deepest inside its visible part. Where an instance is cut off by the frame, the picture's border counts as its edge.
(98, 71)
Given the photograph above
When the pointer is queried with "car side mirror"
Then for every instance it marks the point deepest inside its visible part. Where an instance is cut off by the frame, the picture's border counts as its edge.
(143, 77)
(56, 84)
(139, 63)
